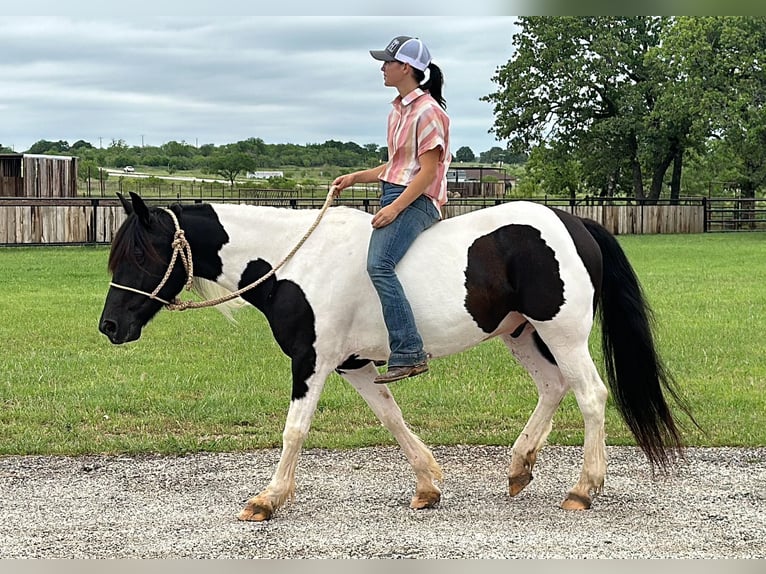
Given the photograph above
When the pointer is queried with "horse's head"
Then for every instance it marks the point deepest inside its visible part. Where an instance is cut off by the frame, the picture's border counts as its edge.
(141, 251)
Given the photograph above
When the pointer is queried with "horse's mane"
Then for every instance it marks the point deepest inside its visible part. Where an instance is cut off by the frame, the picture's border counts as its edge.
(132, 238)
(207, 290)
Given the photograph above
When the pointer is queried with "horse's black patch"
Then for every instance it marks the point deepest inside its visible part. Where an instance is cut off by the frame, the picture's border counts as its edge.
(291, 318)
(587, 249)
(201, 221)
(543, 348)
(353, 363)
(519, 330)
(512, 269)
(139, 258)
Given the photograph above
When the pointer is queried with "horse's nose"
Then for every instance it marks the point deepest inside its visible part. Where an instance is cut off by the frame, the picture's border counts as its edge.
(108, 327)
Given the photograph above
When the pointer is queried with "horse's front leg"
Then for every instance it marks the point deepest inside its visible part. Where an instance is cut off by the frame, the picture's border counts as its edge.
(382, 403)
(282, 486)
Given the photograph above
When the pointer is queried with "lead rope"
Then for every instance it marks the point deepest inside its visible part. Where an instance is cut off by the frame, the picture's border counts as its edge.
(185, 250)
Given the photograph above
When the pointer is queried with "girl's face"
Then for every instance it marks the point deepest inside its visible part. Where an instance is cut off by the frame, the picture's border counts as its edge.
(394, 73)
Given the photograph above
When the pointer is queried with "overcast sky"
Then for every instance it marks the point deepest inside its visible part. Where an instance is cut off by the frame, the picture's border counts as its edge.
(121, 74)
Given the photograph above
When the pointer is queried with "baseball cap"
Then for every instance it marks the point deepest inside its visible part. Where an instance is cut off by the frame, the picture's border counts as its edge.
(405, 49)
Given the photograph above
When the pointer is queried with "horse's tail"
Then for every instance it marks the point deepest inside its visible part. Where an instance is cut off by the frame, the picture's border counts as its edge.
(635, 372)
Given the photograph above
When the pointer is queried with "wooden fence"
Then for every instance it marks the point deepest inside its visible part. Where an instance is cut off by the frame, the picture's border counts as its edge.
(50, 221)
(71, 221)
(628, 219)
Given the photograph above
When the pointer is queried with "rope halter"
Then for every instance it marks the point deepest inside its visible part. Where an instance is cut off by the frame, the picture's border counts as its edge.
(182, 249)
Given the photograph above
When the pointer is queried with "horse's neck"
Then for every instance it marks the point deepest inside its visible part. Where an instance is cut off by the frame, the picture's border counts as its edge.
(242, 233)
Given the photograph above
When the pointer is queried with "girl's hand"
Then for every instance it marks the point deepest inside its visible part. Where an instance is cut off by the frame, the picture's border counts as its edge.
(385, 216)
(342, 182)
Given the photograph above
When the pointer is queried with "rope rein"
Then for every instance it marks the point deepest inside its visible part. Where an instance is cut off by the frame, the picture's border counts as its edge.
(182, 249)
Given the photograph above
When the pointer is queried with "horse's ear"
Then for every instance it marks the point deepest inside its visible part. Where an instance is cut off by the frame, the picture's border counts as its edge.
(176, 208)
(125, 203)
(140, 209)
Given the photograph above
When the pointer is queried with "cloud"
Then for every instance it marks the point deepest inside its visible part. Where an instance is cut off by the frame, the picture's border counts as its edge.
(305, 79)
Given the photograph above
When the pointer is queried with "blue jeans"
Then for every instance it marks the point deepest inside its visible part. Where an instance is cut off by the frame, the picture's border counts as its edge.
(387, 247)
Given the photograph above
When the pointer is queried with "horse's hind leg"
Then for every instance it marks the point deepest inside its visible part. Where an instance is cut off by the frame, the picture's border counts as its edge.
(591, 395)
(551, 388)
(382, 403)
(580, 373)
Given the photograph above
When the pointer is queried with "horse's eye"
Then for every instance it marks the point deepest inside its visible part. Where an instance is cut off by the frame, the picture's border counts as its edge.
(139, 255)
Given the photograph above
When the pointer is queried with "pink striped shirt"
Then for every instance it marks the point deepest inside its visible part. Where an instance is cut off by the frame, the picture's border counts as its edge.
(417, 124)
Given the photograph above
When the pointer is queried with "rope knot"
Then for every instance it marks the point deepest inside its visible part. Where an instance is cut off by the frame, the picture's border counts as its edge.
(179, 305)
(179, 240)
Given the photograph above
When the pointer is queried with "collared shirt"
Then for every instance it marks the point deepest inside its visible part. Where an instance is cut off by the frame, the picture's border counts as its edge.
(417, 124)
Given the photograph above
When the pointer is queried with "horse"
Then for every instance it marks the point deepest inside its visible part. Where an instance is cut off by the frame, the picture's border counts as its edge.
(535, 276)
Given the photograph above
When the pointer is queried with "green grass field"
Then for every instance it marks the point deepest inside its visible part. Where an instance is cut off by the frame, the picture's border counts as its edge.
(195, 382)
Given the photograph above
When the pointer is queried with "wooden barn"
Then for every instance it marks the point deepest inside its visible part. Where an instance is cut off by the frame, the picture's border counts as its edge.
(11, 183)
(30, 175)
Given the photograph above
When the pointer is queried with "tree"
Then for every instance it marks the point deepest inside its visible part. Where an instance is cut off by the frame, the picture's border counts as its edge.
(597, 87)
(178, 149)
(206, 150)
(124, 157)
(80, 145)
(465, 154)
(49, 147)
(88, 169)
(229, 164)
(254, 146)
(118, 144)
(723, 57)
(553, 170)
(494, 154)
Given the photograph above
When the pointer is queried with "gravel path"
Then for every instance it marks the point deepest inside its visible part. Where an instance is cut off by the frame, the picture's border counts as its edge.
(354, 504)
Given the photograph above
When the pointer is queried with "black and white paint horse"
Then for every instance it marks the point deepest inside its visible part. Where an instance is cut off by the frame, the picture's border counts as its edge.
(531, 275)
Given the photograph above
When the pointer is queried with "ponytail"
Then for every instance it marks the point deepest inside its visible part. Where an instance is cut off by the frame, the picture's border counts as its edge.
(434, 84)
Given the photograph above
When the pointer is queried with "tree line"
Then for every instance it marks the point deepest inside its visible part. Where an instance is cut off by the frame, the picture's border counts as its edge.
(232, 160)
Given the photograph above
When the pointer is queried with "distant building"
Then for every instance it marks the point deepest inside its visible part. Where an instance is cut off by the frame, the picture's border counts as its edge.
(479, 181)
(456, 175)
(264, 174)
(461, 175)
(33, 175)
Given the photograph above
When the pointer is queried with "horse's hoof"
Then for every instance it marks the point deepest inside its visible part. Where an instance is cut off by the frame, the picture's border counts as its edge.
(256, 512)
(423, 500)
(517, 483)
(576, 502)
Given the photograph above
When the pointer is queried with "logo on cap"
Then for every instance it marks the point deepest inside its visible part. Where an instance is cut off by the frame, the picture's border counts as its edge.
(392, 46)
